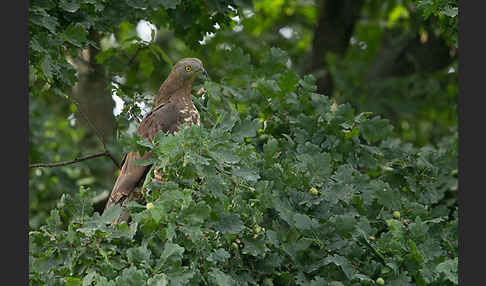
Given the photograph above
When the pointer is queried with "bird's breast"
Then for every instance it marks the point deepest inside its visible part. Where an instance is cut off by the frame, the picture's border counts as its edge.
(190, 115)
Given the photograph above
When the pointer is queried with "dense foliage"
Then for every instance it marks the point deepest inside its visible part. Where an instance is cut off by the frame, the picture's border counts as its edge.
(307, 201)
(281, 185)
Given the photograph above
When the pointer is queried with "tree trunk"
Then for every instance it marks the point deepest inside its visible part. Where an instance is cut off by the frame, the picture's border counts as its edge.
(93, 99)
(95, 108)
(334, 29)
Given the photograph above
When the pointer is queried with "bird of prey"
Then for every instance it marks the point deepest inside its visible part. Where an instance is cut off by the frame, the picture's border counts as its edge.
(173, 107)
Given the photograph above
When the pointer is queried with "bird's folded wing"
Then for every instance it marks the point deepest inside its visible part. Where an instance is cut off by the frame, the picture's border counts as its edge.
(164, 118)
(130, 175)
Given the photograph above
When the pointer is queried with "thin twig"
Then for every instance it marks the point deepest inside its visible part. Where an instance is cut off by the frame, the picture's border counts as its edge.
(135, 117)
(115, 161)
(96, 131)
(75, 160)
(375, 251)
(135, 55)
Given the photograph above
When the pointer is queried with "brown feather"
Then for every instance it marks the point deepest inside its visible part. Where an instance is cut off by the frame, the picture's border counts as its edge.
(174, 108)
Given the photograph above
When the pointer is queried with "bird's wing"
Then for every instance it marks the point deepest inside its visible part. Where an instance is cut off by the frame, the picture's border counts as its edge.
(164, 118)
(130, 175)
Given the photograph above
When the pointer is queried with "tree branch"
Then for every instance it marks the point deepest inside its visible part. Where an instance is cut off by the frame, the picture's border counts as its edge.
(97, 133)
(75, 160)
(112, 158)
(135, 55)
(135, 117)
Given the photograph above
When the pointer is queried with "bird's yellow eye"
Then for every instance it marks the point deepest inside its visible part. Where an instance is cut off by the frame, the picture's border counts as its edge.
(188, 68)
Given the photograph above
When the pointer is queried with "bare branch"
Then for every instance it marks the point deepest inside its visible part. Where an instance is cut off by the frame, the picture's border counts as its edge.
(115, 161)
(135, 55)
(75, 160)
(135, 117)
(96, 131)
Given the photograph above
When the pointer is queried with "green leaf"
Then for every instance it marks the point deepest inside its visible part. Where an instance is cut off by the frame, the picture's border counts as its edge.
(246, 128)
(352, 134)
(304, 222)
(288, 82)
(254, 247)
(43, 19)
(449, 269)
(270, 147)
(139, 255)
(73, 281)
(418, 229)
(145, 63)
(362, 278)
(103, 281)
(171, 250)
(229, 223)
(157, 50)
(88, 279)
(345, 223)
(131, 277)
(390, 198)
(180, 278)
(197, 214)
(47, 67)
(402, 280)
(318, 281)
(396, 228)
(76, 34)
(221, 278)
(284, 211)
(220, 255)
(138, 4)
(45, 4)
(245, 173)
(167, 4)
(375, 129)
(69, 5)
(158, 212)
(110, 215)
(317, 165)
(193, 231)
(146, 162)
(451, 11)
(133, 205)
(54, 220)
(125, 231)
(43, 265)
(145, 143)
(276, 55)
(158, 280)
(224, 154)
(343, 263)
(308, 83)
(415, 259)
(228, 121)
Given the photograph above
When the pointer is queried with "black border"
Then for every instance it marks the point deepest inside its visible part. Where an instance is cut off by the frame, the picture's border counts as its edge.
(472, 81)
(14, 116)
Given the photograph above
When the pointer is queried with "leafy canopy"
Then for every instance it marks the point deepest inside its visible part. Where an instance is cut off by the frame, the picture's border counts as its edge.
(237, 208)
(279, 186)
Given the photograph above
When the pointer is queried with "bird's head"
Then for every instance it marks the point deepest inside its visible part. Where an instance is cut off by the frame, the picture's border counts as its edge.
(190, 68)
